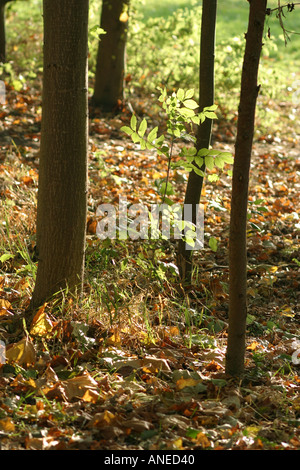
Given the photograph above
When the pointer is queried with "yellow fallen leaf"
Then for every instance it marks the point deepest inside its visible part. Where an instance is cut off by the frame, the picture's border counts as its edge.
(90, 396)
(7, 425)
(202, 440)
(5, 307)
(176, 444)
(182, 383)
(287, 312)
(253, 346)
(23, 352)
(41, 325)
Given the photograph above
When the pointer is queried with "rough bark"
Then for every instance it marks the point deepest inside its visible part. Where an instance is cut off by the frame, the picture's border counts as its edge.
(206, 98)
(109, 77)
(62, 192)
(240, 183)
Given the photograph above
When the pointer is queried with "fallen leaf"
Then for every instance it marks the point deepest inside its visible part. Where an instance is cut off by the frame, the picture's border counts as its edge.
(41, 324)
(7, 425)
(77, 387)
(182, 383)
(23, 352)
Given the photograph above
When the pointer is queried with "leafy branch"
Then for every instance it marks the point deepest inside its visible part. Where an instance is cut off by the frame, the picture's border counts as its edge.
(180, 108)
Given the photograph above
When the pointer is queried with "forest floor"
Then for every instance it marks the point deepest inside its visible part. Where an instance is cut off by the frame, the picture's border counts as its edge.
(139, 363)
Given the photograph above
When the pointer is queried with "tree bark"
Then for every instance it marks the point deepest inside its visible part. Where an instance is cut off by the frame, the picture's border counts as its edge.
(240, 183)
(206, 98)
(109, 77)
(2, 30)
(62, 192)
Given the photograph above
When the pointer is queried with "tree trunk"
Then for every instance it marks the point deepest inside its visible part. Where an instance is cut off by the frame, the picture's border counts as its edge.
(206, 98)
(109, 77)
(2, 30)
(62, 193)
(240, 182)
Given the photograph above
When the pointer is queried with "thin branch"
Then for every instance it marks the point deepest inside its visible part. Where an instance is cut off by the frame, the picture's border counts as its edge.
(279, 9)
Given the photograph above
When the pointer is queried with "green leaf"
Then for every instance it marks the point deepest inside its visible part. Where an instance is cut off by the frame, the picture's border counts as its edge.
(190, 104)
(210, 115)
(152, 134)
(198, 171)
(219, 162)
(180, 94)
(213, 107)
(143, 127)
(202, 152)
(186, 112)
(199, 160)
(209, 162)
(159, 141)
(196, 120)
(189, 93)
(133, 122)
(127, 130)
(168, 189)
(135, 137)
(213, 178)
(213, 243)
(6, 257)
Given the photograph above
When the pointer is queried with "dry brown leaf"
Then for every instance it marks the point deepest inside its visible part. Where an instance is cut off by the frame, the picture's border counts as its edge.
(102, 419)
(137, 425)
(78, 386)
(155, 364)
(5, 307)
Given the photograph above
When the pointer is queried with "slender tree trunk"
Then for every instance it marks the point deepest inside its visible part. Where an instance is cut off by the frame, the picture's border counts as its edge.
(240, 183)
(62, 193)
(2, 30)
(109, 77)
(206, 98)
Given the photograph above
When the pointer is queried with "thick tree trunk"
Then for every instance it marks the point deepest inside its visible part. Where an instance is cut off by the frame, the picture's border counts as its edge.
(109, 77)
(62, 193)
(240, 182)
(206, 98)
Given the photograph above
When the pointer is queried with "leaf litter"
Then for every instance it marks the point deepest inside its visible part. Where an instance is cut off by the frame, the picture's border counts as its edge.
(140, 365)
